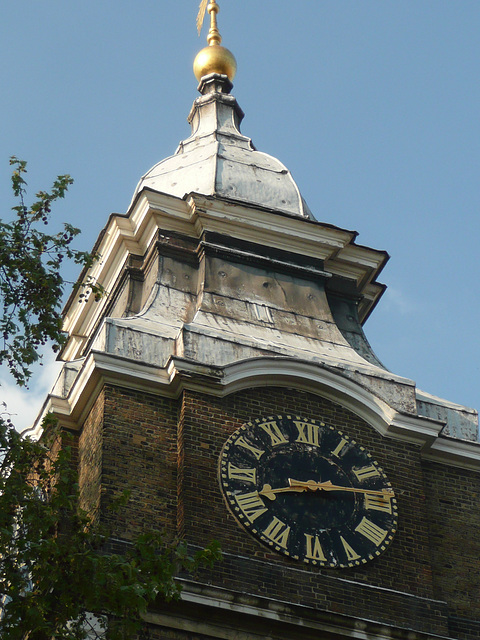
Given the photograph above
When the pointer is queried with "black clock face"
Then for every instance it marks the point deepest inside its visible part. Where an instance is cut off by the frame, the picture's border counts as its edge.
(308, 491)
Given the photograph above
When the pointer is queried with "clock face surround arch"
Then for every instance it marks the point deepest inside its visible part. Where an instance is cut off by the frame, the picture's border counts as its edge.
(308, 491)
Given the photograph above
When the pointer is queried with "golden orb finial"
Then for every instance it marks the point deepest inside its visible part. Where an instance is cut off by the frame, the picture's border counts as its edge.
(214, 58)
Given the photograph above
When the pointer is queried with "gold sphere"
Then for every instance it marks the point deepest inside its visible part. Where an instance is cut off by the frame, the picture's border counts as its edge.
(215, 59)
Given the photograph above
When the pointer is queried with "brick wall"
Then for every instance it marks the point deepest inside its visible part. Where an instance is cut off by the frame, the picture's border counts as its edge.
(166, 453)
(90, 444)
(453, 505)
(140, 456)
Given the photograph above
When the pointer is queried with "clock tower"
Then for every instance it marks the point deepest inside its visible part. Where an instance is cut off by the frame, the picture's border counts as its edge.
(226, 381)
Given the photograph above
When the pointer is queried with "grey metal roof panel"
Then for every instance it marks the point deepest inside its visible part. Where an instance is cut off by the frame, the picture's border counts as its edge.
(460, 422)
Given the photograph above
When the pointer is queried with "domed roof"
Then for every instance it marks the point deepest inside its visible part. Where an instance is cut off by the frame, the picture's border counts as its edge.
(217, 160)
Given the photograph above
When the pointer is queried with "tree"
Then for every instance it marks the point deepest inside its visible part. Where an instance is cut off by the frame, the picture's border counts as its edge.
(57, 579)
(31, 285)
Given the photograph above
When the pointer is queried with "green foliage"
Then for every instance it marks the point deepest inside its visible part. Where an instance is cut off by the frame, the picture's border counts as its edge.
(54, 570)
(31, 285)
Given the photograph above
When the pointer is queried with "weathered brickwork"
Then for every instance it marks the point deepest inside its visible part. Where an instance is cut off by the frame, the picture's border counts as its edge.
(464, 628)
(90, 458)
(140, 456)
(166, 453)
(453, 504)
(337, 595)
(181, 472)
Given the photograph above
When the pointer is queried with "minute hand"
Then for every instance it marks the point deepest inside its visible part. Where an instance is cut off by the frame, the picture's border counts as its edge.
(311, 485)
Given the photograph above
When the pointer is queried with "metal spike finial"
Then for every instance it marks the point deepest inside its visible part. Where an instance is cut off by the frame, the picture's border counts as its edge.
(214, 36)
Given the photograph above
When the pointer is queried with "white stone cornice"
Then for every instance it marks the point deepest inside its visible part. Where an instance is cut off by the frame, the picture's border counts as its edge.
(415, 429)
(97, 370)
(457, 453)
(315, 378)
(179, 374)
(305, 237)
(218, 605)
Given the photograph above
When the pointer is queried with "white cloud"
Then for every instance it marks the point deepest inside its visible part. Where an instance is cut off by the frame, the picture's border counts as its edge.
(396, 300)
(24, 404)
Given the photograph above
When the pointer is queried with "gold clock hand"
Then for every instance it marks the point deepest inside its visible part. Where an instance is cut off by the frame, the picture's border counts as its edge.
(300, 486)
(311, 485)
(270, 493)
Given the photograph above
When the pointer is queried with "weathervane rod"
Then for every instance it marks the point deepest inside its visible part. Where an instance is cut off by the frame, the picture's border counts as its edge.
(214, 36)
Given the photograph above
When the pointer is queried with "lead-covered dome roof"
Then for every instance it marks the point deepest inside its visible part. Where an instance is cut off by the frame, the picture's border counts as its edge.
(217, 160)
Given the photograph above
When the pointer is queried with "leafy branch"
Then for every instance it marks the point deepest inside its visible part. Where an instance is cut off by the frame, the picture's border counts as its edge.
(31, 286)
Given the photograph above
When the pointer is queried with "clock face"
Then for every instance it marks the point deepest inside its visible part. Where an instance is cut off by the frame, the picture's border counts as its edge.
(308, 491)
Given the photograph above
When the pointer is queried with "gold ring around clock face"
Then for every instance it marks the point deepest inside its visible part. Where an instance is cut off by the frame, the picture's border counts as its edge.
(308, 491)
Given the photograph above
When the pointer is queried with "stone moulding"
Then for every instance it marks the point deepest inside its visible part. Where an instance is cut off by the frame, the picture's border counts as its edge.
(72, 405)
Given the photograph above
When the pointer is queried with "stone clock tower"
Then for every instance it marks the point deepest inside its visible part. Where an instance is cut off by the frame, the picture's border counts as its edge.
(226, 381)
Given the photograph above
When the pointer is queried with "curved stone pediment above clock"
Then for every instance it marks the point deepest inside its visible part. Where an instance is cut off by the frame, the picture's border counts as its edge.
(323, 380)
(78, 387)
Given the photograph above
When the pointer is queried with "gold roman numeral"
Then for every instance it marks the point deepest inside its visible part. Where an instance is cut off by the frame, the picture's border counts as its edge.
(237, 473)
(278, 532)
(371, 531)
(366, 472)
(241, 442)
(251, 504)
(378, 503)
(308, 433)
(273, 430)
(351, 553)
(340, 446)
(314, 549)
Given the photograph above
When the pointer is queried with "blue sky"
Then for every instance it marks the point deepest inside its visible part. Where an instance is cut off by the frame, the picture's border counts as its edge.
(372, 104)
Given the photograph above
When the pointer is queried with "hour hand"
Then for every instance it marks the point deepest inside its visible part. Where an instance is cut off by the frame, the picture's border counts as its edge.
(309, 485)
(268, 492)
(297, 486)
